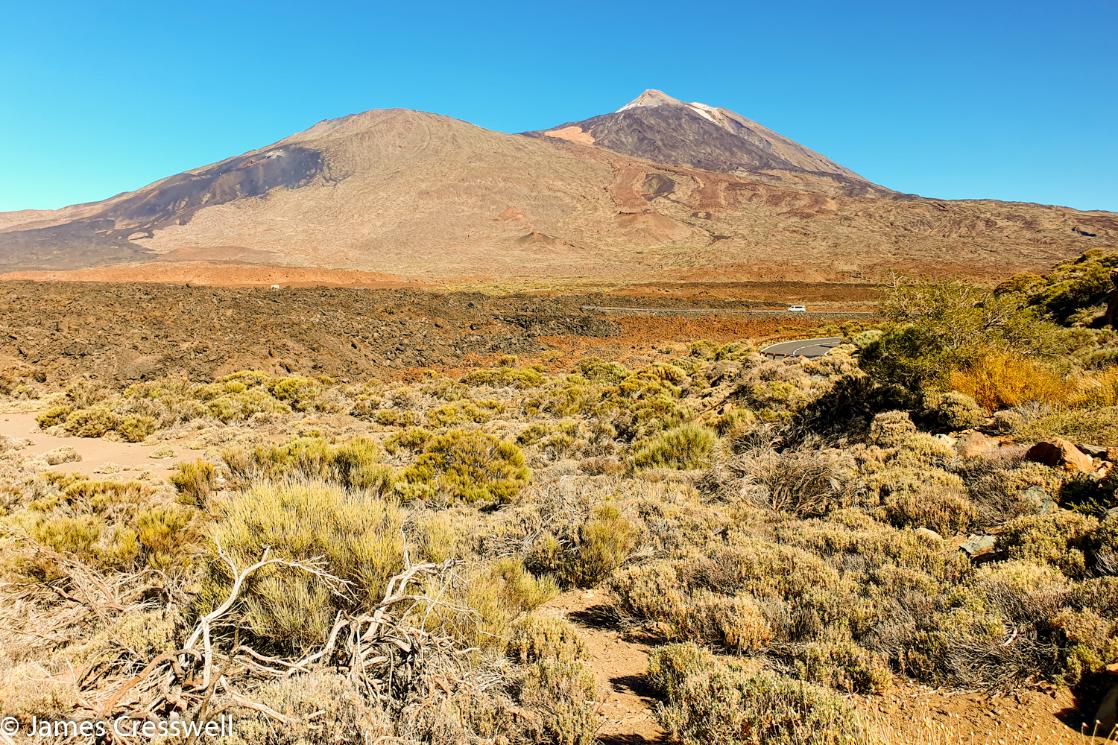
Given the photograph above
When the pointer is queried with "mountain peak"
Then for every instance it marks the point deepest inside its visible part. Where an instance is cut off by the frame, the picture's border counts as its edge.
(652, 97)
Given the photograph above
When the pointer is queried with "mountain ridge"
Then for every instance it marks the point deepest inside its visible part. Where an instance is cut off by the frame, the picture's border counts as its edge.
(425, 196)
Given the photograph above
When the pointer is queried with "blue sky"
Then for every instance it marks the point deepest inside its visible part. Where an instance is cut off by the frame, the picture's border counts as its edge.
(1010, 100)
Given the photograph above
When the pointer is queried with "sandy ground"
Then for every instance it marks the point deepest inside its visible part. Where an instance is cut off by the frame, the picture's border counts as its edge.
(98, 455)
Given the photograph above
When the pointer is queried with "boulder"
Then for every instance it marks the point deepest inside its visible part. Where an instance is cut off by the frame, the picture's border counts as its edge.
(1061, 453)
(974, 444)
(978, 545)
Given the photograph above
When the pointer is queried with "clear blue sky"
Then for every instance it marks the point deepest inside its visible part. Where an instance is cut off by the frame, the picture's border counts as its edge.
(1012, 100)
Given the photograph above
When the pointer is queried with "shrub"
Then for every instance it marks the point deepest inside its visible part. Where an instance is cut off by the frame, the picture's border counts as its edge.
(736, 708)
(672, 664)
(585, 556)
(468, 466)
(359, 537)
(953, 410)
(135, 428)
(354, 464)
(685, 447)
(96, 421)
(497, 594)
(536, 638)
(652, 592)
(195, 481)
(564, 698)
(806, 481)
(53, 416)
(1058, 539)
(945, 512)
(1000, 380)
(842, 665)
(516, 377)
(891, 429)
(732, 622)
(164, 533)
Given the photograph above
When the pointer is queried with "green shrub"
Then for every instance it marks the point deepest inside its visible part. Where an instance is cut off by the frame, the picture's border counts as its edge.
(165, 533)
(359, 538)
(96, 421)
(468, 466)
(685, 447)
(516, 377)
(53, 416)
(1059, 539)
(953, 410)
(195, 481)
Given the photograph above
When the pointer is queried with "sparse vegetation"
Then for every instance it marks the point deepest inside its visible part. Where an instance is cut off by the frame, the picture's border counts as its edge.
(377, 559)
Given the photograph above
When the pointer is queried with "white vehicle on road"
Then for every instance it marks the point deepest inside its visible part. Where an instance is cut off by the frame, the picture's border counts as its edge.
(797, 309)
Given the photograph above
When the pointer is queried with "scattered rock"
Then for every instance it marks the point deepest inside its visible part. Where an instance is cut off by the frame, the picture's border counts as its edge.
(64, 454)
(928, 532)
(974, 444)
(1061, 453)
(163, 452)
(978, 545)
(1095, 451)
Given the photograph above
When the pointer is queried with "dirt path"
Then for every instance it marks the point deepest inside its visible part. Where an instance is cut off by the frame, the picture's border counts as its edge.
(619, 666)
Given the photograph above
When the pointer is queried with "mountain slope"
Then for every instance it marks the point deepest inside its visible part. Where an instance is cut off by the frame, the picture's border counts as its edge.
(660, 128)
(429, 197)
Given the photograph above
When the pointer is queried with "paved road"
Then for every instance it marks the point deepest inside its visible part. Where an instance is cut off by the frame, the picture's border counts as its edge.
(669, 311)
(803, 347)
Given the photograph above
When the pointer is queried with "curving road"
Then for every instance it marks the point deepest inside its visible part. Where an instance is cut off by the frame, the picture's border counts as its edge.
(803, 347)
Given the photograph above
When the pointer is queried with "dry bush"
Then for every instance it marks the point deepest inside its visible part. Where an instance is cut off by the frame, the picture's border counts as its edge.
(999, 380)
(805, 481)
(735, 623)
(536, 638)
(942, 511)
(354, 464)
(670, 665)
(842, 665)
(736, 708)
(583, 554)
(565, 698)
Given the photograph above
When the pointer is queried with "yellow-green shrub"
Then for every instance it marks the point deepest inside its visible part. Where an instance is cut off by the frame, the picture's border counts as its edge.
(195, 481)
(467, 466)
(685, 447)
(359, 538)
(537, 638)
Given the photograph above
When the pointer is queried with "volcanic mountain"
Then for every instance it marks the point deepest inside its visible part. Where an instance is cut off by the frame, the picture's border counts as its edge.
(657, 127)
(660, 190)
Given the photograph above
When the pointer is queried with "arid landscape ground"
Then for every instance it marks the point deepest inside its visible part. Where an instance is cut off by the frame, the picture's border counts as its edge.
(401, 430)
